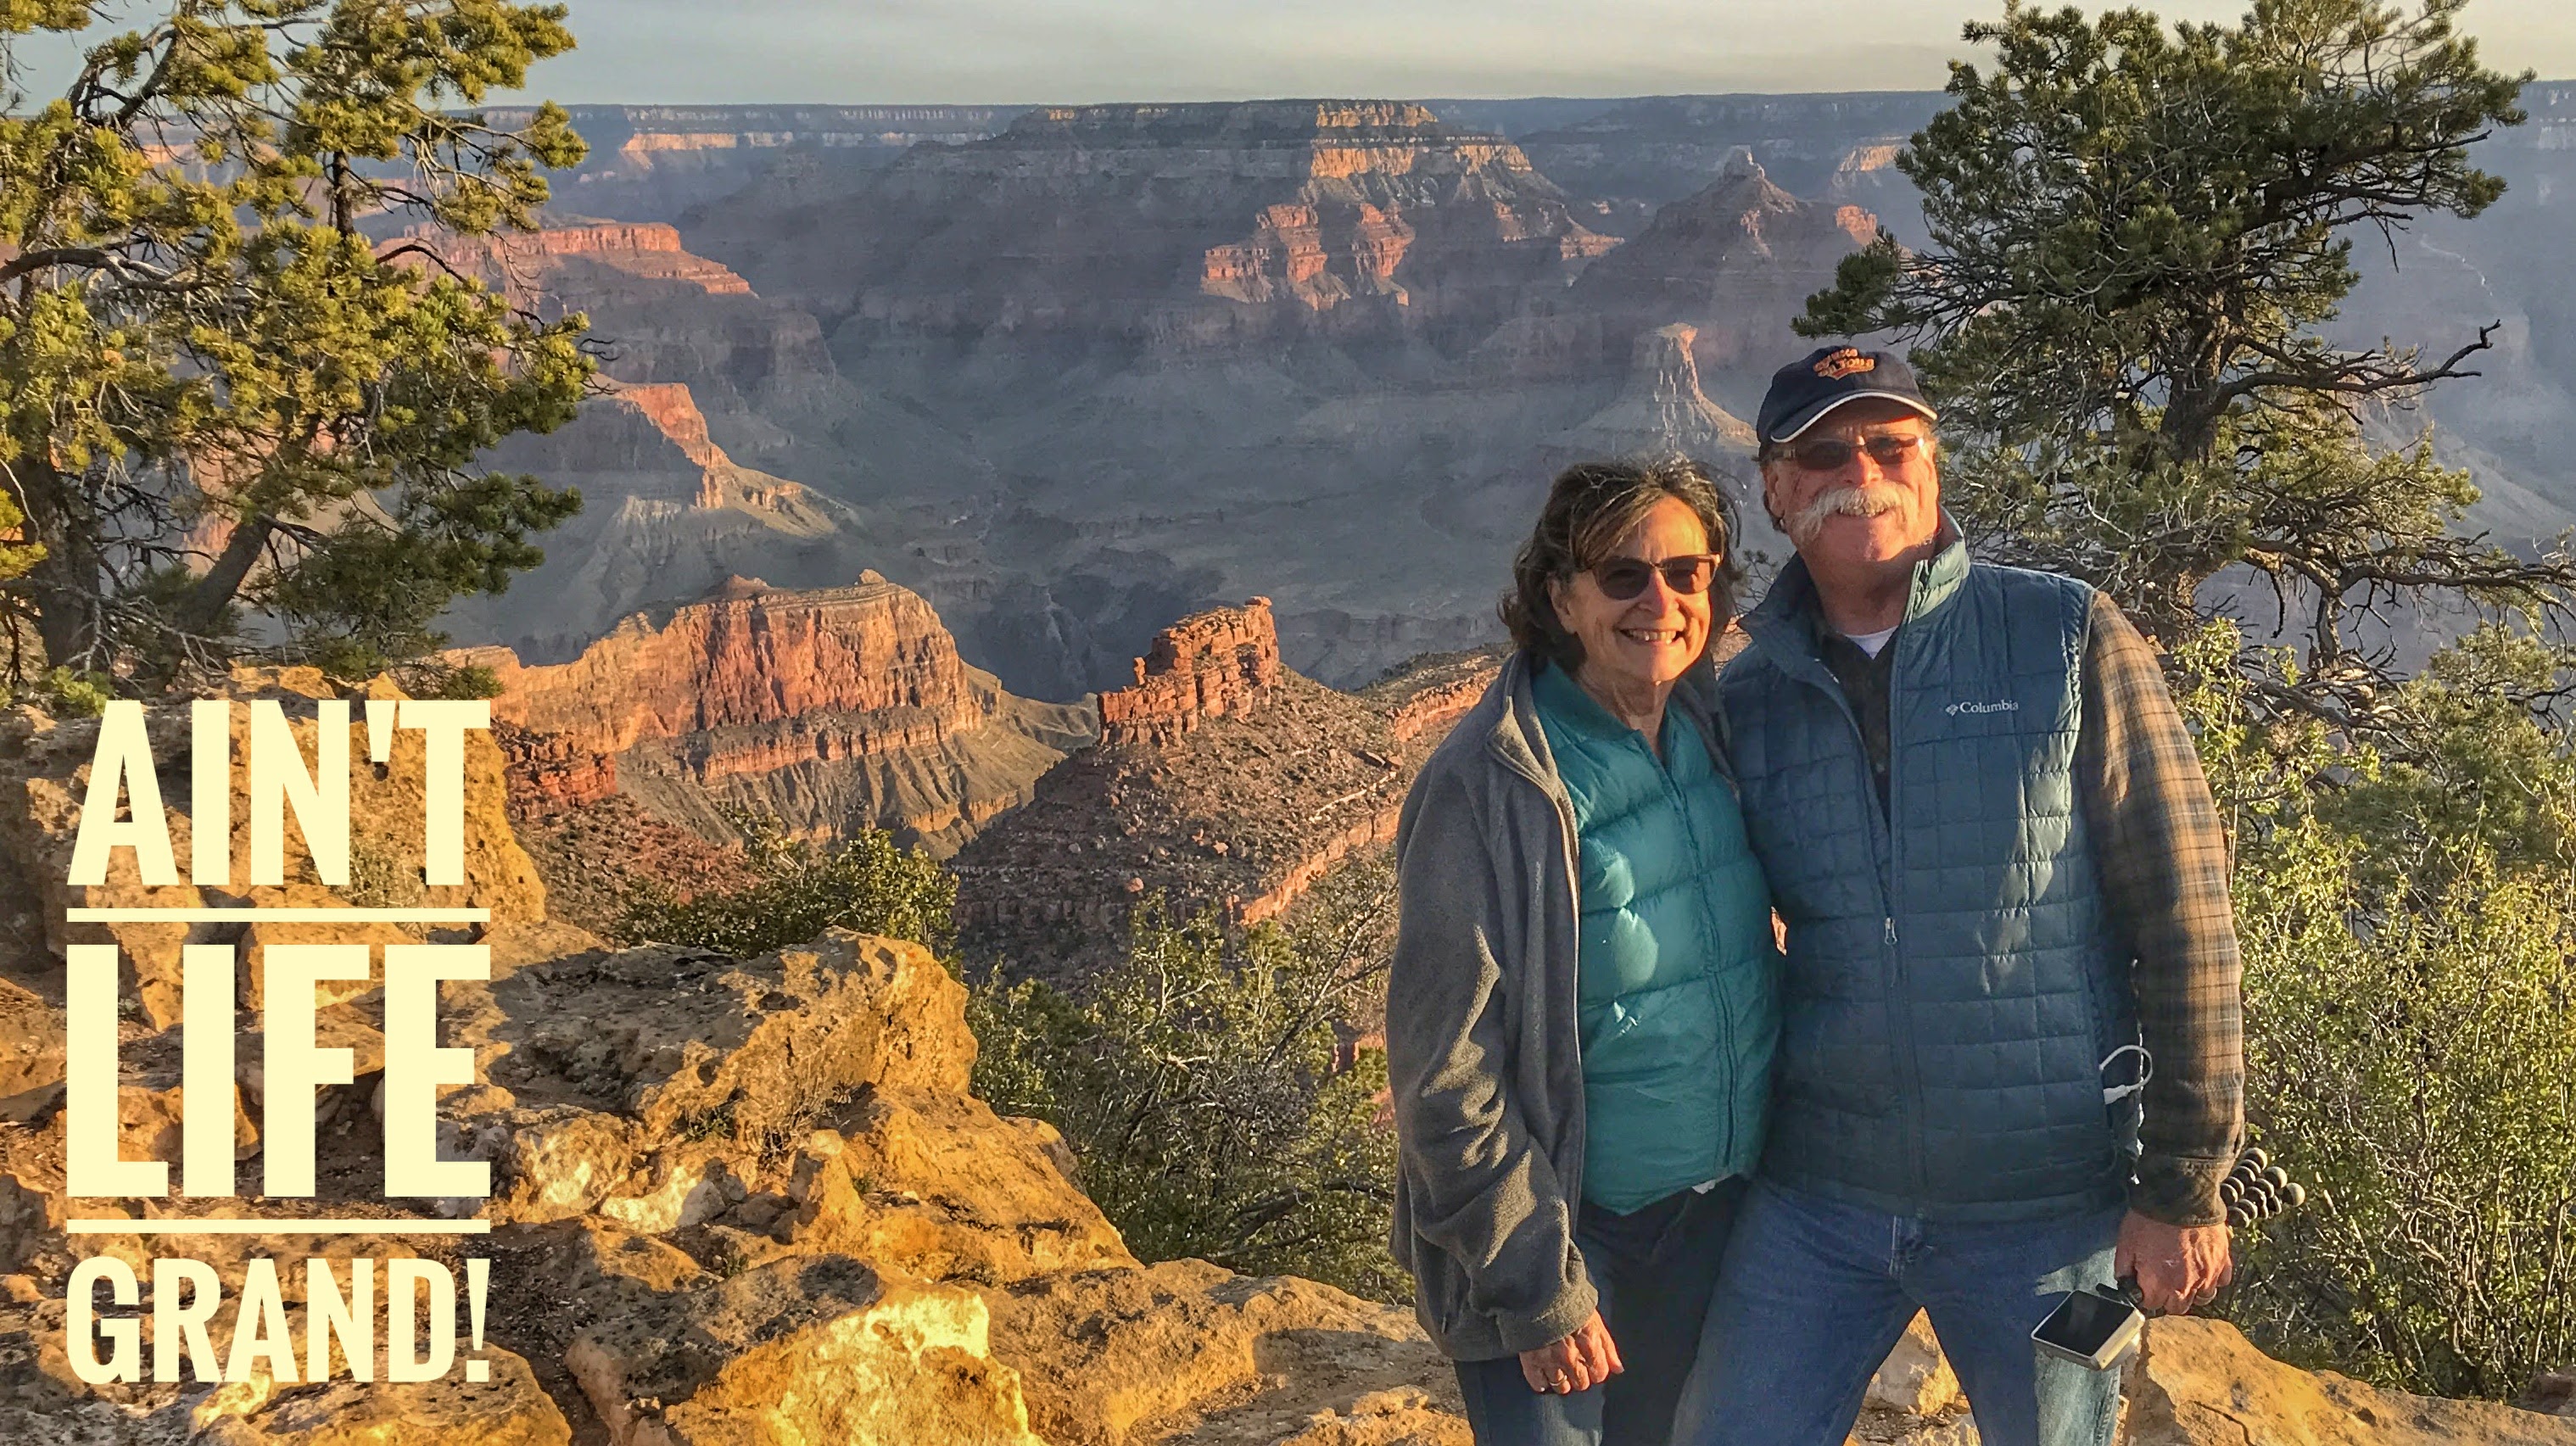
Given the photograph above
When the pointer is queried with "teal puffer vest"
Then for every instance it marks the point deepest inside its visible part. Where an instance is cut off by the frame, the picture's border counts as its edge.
(1952, 984)
(1676, 999)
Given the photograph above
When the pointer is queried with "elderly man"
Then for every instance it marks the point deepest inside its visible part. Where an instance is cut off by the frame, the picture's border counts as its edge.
(2005, 891)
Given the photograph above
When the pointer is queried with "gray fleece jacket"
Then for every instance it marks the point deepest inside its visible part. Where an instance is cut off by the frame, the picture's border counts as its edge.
(1482, 1045)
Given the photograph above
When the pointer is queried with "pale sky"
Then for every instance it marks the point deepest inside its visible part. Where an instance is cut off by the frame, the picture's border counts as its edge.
(1006, 51)
(1003, 52)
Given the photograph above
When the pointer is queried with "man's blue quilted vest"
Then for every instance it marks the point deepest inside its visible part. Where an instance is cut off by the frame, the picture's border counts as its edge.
(1952, 985)
(1677, 975)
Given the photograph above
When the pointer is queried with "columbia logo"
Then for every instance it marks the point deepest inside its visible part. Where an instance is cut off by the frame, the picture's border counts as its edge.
(2004, 705)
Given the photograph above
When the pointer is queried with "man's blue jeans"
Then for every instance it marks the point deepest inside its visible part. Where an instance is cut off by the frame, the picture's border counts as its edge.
(1815, 1294)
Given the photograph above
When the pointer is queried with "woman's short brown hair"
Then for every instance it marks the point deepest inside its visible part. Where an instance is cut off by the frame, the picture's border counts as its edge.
(1590, 506)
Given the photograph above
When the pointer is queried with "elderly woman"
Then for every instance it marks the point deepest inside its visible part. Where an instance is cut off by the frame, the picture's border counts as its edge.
(1582, 1007)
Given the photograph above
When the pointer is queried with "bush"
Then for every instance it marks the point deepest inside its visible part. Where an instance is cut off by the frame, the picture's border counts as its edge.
(1211, 1090)
(802, 889)
(2413, 1060)
(2408, 916)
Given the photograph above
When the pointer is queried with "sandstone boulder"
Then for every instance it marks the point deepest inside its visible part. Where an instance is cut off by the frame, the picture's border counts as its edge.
(1117, 1356)
(509, 1409)
(817, 1349)
(2201, 1383)
(31, 1052)
(940, 1187)
(683, 1042)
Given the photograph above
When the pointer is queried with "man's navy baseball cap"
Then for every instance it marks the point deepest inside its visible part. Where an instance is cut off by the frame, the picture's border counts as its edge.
(1803, 392)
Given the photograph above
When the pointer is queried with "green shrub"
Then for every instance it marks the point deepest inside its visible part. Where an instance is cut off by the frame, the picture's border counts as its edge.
(801, 889)
(1208, 1088)
(2409, 923)
(2414, 1060)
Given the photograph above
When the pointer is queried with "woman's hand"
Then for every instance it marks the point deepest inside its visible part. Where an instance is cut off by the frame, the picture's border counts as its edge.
(1577, 1363)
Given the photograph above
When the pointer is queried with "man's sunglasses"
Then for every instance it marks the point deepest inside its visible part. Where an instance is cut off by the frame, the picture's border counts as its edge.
(1622, 578)
(1832, 454)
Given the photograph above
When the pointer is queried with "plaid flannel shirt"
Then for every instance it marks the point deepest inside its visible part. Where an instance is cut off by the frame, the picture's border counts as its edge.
(2163, 861)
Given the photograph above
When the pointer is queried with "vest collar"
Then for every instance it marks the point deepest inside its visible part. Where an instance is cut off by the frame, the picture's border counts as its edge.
(1785, 623)
(1515, 737)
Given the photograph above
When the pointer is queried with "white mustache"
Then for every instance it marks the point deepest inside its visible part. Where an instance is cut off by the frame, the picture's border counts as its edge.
(1865, 500)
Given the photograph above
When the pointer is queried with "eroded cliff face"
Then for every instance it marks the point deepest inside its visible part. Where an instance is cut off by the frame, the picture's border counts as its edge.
(1639, 154)
(1735, 261)
(1179, 226)
(662, 314)
(834, 709)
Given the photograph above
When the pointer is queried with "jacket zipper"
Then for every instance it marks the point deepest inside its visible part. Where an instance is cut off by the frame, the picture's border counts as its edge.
(1725, 1009)
(1898, 977)
(1900, 967)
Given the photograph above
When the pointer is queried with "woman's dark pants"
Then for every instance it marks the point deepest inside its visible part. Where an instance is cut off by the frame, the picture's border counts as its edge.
(1654, 1270)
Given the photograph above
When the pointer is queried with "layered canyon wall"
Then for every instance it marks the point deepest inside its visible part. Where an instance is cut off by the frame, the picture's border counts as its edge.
(833, 709)
(656, 162)
(1342, 216)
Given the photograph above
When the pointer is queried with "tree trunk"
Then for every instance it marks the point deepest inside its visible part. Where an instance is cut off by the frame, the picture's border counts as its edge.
(70, 580)
(204, 608)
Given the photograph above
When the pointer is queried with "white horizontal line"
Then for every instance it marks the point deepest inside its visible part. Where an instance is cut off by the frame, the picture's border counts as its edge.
(278, 916)
(356, 1226)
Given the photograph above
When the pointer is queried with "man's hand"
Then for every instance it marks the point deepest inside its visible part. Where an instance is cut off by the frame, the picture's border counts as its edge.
(2176, 1266)
(1577, 1363)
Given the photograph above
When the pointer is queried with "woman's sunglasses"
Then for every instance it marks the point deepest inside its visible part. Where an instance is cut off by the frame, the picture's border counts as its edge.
(1622, 578)
(1832, 454)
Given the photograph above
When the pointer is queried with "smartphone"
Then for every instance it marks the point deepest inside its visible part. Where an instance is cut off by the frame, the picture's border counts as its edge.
(2090, 1328)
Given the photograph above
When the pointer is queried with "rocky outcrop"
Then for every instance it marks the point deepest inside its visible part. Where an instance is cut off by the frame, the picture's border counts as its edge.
(44, 777)
(2200, 1383)
(836, 709)
(1208, 665)
(1239, 807)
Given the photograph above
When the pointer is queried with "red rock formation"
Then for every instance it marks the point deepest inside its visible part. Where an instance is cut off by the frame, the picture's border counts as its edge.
(525, 263)
(1240, 811)
(752, 656)
(1207, 665)
(835, 709)
(548, 772)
